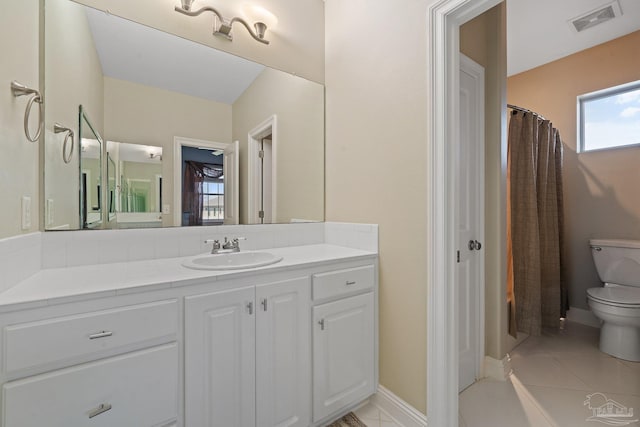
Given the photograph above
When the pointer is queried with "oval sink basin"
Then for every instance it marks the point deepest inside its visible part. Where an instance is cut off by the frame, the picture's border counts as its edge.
(231, 261)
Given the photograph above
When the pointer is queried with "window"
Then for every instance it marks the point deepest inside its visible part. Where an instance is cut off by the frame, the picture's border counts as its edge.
(609, 118)
(213, 201)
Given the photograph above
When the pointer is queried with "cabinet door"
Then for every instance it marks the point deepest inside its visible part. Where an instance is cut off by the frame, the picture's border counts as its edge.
(343, 353)
(220, 359)
(283, 359)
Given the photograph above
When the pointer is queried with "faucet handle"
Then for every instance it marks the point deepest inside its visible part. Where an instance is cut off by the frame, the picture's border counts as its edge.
(216, 244)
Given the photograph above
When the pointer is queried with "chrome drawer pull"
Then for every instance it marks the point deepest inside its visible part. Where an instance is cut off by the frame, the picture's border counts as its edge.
(100, 409)
(102, 334)
(351, 282)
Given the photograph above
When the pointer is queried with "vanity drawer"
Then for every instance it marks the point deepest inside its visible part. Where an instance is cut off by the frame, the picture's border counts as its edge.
(80, 337)
(340, 282)
(135, 389)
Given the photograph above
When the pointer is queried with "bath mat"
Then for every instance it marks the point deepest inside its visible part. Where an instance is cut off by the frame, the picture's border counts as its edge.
(349, 420)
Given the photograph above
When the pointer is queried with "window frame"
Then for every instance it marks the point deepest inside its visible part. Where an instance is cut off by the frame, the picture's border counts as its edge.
(213, 221)
(600, 94)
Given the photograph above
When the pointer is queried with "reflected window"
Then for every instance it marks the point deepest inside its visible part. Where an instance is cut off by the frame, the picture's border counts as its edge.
(609, 118)
(213, 200)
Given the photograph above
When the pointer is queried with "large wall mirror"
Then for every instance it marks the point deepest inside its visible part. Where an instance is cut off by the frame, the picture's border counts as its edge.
(188, 135)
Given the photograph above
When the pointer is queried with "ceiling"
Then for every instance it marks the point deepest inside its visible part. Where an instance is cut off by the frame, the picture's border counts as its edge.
(540, 31)
(140, 54)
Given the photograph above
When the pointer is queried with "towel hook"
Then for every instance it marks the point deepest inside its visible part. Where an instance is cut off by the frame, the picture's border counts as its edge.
(18, 89)
(58, 128)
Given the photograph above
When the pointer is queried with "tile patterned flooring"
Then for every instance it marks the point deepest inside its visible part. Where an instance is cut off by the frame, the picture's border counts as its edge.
(374, 417)
(552, 376)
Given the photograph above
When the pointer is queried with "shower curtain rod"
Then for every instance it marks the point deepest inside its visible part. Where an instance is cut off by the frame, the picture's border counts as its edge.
(524, 110)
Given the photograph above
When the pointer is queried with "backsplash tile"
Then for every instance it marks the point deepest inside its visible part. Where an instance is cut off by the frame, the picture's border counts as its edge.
(86, 247)
(20, 258)
(357, 236)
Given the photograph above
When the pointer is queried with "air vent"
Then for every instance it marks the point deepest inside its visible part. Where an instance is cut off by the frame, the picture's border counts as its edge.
(596, 17)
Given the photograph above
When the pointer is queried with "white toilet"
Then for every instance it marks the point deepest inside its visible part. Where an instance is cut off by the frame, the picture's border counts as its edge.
(617, 304)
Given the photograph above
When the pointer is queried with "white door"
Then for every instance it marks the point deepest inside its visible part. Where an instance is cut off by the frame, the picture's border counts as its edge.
(343, 351)
(220, 359)
(283, 359)
(470, 202)
(231, 171)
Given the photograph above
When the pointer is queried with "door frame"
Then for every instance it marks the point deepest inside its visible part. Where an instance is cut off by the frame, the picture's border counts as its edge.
(178, 143)
(445, 18)
(254, 137)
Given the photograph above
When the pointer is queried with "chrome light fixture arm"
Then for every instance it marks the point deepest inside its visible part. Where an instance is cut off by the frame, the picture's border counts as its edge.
(258, 34)
(223, 28)
(199, 11)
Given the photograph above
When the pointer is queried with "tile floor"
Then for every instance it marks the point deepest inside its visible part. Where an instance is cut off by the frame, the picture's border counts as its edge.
(552, 377)
(374, 417)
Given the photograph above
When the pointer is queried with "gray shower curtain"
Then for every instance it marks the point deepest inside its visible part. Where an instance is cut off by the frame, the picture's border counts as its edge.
(538, 297)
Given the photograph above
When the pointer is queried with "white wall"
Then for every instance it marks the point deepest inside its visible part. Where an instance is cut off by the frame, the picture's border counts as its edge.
(299, 107)
(19, 171)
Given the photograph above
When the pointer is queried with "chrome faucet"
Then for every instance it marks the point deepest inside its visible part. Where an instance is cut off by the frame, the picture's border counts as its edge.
(228, 246)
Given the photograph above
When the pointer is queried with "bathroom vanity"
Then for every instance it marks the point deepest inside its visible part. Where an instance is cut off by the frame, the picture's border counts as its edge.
(153, 343)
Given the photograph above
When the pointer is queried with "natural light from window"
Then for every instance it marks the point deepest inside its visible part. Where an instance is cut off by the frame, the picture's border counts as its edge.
(610, 118)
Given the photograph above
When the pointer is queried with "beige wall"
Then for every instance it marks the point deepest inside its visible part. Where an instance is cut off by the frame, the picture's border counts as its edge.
(19, 171)
(376, 163)
(73, 77)
(297, 42)
(600, 188)
(299, 107)
(139, 114)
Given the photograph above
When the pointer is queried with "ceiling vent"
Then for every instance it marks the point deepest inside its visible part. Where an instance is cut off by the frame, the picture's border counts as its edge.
(595, 17)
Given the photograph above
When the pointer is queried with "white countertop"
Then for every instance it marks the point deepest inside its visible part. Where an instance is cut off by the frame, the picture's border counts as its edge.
(61, 285)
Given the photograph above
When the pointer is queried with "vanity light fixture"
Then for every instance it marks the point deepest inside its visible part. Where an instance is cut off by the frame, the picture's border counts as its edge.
(155, 156)
(222, 27)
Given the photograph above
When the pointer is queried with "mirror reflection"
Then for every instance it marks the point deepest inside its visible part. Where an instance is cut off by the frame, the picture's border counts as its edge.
(135, 185)
(90, 173)
(258, 133)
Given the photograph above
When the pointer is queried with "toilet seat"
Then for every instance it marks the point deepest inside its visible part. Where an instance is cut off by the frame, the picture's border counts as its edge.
(621, 296)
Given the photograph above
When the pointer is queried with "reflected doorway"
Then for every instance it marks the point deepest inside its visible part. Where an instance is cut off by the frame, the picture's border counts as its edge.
(262, 152)
(205, 182)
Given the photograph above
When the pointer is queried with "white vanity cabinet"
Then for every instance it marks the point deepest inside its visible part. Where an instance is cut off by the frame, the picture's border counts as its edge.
(289, 347)
(247, 360)
(112, 367)
(343, 339)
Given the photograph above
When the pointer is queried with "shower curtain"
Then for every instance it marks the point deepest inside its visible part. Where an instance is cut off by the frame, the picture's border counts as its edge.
(537, 296)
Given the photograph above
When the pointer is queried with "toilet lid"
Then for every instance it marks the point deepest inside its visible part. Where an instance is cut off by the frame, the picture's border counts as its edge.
(626, 296)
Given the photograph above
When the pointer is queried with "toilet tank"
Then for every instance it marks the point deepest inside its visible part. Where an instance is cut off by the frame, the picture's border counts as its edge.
(617, 261)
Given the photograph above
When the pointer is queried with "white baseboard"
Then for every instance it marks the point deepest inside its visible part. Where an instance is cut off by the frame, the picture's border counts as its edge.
(497, 369)
(582, 316)
(400, 411)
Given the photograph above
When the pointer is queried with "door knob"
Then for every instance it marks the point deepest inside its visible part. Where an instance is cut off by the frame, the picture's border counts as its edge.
(474, 245)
